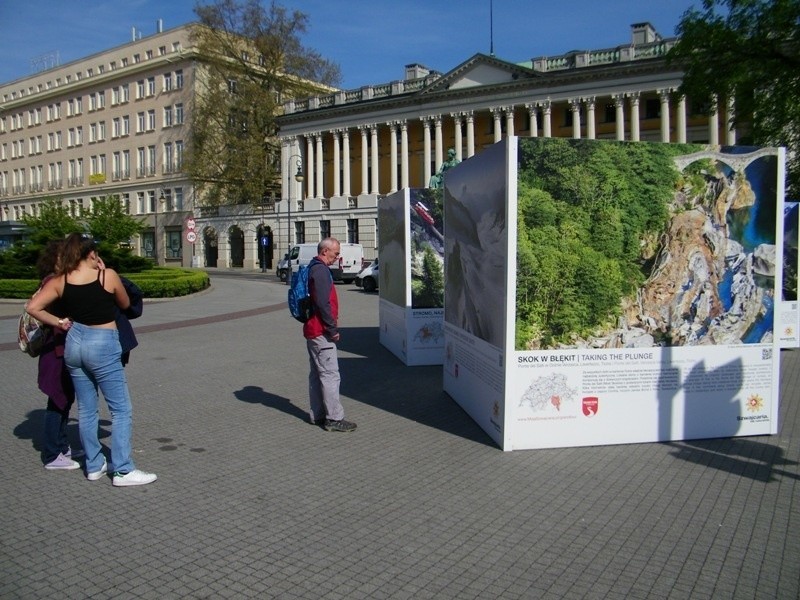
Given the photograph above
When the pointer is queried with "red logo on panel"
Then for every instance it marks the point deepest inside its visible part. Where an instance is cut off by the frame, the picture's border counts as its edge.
(590, 406)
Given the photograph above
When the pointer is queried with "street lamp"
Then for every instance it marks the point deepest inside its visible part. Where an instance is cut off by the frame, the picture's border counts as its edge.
(298, 177)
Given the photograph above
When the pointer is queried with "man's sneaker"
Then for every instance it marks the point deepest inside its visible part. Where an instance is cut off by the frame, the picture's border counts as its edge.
(63, 463)
(319, 422)
(341, 425)
(95, 475)
(135, 477)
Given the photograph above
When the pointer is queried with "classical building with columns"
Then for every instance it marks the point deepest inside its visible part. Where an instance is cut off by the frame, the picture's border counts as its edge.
(353, 147)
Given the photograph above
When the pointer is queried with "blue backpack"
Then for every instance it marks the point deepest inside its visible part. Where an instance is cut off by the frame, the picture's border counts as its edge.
(300, 304)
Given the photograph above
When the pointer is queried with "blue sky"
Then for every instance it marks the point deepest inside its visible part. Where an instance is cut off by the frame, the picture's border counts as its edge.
(371, 40)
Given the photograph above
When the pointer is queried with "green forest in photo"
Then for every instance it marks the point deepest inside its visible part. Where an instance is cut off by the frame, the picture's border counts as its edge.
(590, 216)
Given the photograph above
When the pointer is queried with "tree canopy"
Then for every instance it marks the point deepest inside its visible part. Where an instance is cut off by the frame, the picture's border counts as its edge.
(748, 50)
(252, 61)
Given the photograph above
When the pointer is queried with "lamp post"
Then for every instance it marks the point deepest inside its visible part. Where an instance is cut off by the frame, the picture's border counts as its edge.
(161, 200)
(298, 177)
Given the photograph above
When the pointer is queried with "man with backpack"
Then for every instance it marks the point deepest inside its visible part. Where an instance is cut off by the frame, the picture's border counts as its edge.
(322, 333)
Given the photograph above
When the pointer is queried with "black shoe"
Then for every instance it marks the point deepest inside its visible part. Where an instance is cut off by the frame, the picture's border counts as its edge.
(342, 425)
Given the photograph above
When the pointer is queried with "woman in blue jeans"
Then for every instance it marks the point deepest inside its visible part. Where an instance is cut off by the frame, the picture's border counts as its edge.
(90, 294)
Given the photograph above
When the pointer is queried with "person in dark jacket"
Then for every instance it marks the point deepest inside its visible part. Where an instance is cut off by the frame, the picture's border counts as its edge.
(322, 333)
(53, 378)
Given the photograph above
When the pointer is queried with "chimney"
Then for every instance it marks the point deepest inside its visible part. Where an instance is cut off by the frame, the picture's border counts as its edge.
(644, 33)
(160, 26)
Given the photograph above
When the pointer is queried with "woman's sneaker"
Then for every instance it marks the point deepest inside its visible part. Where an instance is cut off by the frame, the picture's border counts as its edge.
(95, 475)
(62, 463)
(135, 477)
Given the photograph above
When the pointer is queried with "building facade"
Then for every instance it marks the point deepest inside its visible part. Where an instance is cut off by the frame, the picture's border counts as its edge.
(353, 147)
(119, 122)
(115, 123)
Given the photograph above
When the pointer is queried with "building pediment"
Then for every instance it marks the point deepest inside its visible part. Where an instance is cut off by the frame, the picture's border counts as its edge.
(478, 71)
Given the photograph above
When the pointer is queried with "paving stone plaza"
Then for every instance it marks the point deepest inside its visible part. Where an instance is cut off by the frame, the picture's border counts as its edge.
(254, 502)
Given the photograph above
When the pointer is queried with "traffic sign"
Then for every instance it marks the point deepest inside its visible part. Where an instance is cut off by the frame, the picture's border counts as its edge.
(191, 237)
(190, 224)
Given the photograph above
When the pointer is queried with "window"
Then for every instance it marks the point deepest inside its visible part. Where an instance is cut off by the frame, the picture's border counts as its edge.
(149, 54)
(124, 93)
(652, 108)
(167, 86)
(101, 100)
(179, 155)
(151, 201)
(324, 229)
(352, 231)
(115, 127)
(139, 203)
(141, 165)
(116, 166)
(92, 102)
(126, 164)
(178, 79)
(151, 160)
(178, 198)
(168, 158)
(124, 62)
(167, 116)
(162, 50)
(78, 136)
(114, 96)
(176, 46)
(174, 244)
(126, 203)
(140, 122)
(136, 58)
(126, 125)
(140, 89)
(151, 86)
(179, 114)
(92, 133)
(101, 131)
(151, 120)
(299, 232)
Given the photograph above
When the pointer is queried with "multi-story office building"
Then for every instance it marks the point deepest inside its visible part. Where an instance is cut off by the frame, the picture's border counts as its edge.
(356, 146)
(115, 123)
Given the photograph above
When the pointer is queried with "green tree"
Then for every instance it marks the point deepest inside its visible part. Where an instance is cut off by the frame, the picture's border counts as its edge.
(107, 222)
(253, 61)
(748, 50)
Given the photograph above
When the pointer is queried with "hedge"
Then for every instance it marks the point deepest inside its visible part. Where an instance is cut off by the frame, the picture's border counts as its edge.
(160, 282)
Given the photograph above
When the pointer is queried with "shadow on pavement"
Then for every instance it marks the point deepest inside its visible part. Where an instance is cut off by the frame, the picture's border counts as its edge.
(257, 395)
(739, 456)
(379, 379)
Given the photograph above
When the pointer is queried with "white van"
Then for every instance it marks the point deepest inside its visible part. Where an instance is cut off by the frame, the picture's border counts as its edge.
(345, 269)
(351, 257)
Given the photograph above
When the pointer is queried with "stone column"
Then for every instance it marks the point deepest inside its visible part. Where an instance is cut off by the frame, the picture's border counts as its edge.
(320, 177)
(309, 165)
(426, 156)
(470, 134)
(634, 98)
(663, 96)
(364, 159)
(457, 133)
(509, 121)
(619, 105)
(547, 109)
(532, 111)
(374, 159)
(575, 107)
(713, 123)
(498, 134)
(404, 154)
(393, 156)
(437, 137)
(346, 162)
(680, 118)
(590, 126)
(337, 159)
